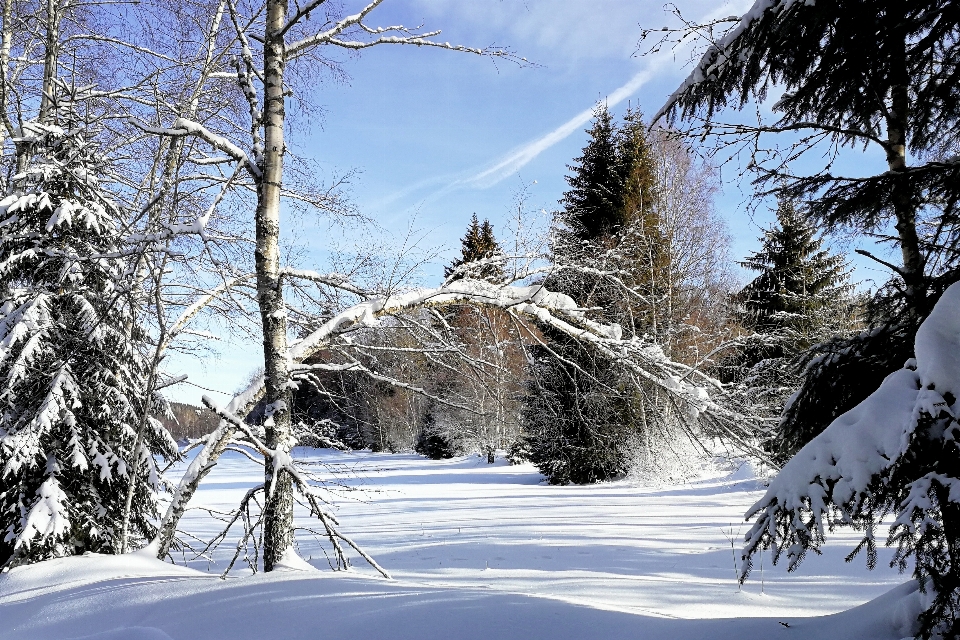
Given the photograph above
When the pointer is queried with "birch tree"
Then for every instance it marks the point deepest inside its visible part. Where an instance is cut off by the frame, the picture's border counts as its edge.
(270, 35)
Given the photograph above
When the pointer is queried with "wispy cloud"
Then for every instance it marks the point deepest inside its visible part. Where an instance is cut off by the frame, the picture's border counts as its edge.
(513, 161)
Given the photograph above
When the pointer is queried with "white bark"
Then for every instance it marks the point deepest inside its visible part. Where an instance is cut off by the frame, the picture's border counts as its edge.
(278, 510)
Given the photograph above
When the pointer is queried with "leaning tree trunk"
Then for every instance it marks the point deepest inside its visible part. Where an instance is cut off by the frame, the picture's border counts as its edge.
(278, 511)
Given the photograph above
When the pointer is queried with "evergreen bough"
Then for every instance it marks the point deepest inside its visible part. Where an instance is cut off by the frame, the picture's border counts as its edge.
(883, 76)
(874, 76)
(73, 376)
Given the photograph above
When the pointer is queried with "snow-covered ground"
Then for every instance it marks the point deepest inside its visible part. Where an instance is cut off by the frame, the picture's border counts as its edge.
(477, 551)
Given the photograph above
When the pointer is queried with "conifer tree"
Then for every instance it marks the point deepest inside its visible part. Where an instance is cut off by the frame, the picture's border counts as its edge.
(801, 297)
(594, 205)
(578, 414)
(479, 243)
(643, 251)
(879, 77)
(490, 385)
(800, 285)
(70, 360)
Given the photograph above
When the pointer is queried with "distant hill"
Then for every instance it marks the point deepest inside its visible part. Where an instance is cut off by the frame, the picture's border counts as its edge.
(192, 421)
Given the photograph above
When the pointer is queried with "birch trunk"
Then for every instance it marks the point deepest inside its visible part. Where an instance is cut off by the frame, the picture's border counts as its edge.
(278, 510)
(6, 33)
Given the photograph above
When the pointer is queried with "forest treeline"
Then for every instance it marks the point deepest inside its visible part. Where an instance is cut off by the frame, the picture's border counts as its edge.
(637, 242)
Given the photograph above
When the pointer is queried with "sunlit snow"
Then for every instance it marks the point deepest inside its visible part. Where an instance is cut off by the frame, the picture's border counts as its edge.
(477, 551)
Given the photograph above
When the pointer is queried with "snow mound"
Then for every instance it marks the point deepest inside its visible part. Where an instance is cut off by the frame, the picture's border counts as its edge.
(58, 574)
(478, 552)
(301, 606)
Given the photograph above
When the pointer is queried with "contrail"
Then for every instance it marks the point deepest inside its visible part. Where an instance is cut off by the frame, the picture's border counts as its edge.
(521, 156)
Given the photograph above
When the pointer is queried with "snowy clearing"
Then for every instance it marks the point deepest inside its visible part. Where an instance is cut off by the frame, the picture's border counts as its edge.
(477, 551)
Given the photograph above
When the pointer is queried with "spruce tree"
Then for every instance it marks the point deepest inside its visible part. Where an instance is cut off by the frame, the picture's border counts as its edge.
(433, 441)
(593, 207)
(579, 413)
(71, 362)
(800, 286)
(801, 297)
(479, 243)
(860, 75)
(643, 250)
(877, 76)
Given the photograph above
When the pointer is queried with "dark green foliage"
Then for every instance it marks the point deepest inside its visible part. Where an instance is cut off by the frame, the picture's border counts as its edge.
(435, 443)
(71, 360)
(578, 411)
(843, 67)
(339, 403)
(878, 76)
(519, 450)
(593, 207)
(928, 538)
(800, 285)
(800, 298)
(858, 74)
(836, 375)
(576, 429)
(478, 244)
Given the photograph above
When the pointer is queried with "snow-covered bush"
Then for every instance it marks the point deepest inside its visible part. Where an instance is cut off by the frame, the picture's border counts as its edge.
(73, 378)
(897, 452)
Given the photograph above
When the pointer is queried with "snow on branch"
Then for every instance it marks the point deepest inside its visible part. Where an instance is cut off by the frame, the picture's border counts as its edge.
(283, 463)
(886, 455)
(185, 127)
(188, 314)
(719, 54)
(335, 280)
(685, 385)
(407, 36)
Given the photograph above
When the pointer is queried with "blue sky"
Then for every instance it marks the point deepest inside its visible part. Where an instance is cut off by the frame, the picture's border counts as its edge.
(435, 136)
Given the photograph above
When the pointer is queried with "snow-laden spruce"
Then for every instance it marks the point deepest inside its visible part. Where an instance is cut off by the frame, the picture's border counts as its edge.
(71, 374)
(897, 452)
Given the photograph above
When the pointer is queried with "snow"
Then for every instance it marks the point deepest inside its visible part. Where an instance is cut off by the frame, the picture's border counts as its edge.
(938, 345)
(477, 551)
(715, 59)
(870, 438)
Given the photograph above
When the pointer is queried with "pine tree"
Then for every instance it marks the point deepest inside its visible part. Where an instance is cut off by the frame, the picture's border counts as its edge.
(643, 251)
(489, 386)
(74, 375)
(576, 415)
(434, 442)
(478, 244)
